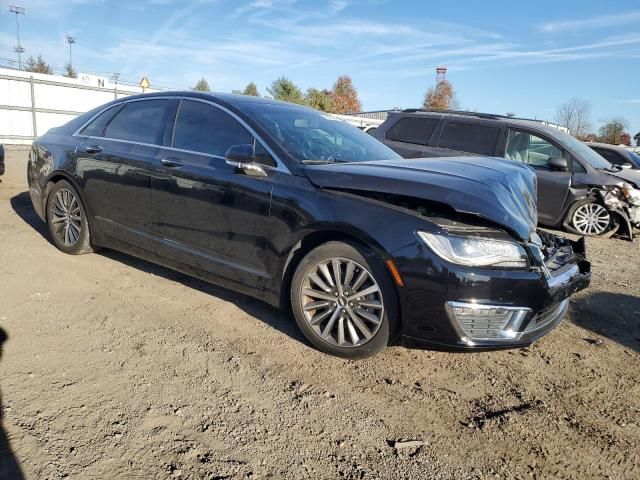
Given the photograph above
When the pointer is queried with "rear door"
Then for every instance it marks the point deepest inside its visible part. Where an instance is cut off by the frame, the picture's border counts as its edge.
(553, 186)
(115, 162)
(206, 214)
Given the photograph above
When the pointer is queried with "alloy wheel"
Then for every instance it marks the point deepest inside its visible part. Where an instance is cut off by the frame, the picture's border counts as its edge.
(66, 217)
(591, 219)
(342, 302)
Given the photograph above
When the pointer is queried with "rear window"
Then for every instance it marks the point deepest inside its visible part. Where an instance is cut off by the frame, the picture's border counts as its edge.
(468, 137)
(413, 130)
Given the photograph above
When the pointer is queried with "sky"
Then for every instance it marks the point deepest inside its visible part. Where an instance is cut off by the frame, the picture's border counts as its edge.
(502, 56)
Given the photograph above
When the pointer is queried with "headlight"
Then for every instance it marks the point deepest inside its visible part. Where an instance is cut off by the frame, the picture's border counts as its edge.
(476, 252)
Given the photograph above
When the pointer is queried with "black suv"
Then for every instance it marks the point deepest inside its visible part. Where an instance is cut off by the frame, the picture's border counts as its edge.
(577, 188)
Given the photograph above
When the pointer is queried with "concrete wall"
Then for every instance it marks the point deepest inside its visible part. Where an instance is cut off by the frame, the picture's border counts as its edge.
(32, 103)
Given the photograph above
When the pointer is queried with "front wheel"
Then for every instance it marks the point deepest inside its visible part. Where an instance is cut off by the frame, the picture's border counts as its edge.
(343, 300)
(67, 220)
(590, 218)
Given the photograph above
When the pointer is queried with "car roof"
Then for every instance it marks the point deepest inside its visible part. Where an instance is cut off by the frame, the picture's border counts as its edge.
(606, 145)
(482, 118)
(228, 98)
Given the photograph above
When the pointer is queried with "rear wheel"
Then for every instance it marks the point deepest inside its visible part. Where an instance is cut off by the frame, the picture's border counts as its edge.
(344, 301)
(67, 220)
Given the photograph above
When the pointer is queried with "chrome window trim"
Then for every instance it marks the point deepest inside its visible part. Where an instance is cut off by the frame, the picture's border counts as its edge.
(280, 165)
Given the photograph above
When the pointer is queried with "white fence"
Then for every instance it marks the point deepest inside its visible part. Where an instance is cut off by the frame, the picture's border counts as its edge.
(32, 103)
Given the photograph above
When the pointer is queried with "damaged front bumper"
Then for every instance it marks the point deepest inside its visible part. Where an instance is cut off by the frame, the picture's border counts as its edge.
(479, 309)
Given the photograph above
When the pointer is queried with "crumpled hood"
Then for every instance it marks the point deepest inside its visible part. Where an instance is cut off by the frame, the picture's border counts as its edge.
(501, 191)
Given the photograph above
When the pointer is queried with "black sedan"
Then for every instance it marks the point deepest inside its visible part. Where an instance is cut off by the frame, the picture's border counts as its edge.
(310, 214)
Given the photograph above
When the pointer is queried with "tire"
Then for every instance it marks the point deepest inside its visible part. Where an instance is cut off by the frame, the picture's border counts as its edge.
(67, 220)
(345, 324)
(580, 213)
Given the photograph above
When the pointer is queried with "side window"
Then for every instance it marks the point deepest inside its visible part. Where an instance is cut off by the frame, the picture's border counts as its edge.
(413, 130)
(611, 157)
(138, 121)
(470, 137)
(96, 127)
(530, 149)
(204, 128)
(263, 157)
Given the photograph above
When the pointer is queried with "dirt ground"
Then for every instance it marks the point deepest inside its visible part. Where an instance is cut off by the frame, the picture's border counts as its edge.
(116, 368)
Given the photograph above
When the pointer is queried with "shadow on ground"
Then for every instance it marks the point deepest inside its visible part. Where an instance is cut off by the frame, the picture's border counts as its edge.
(21, 204)
(9, 468)
(277, 319)
(612, 315)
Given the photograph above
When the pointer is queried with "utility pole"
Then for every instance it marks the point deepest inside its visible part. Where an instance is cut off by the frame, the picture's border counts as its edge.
(18, 48)
(70, 40)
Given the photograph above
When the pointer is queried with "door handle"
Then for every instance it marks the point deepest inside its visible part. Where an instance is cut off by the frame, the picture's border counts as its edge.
(93, 149)
(171, 163)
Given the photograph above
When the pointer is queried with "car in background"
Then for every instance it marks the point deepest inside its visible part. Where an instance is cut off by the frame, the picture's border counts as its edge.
(616, 155)
(578, 190)
(306, 212)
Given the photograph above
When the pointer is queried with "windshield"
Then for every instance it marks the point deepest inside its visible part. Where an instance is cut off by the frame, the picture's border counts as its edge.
(310, 136)
(583, 151)
(635, 157)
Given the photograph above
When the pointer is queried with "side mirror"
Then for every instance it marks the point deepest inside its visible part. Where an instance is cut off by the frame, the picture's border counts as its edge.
(243, 158)
(558, 164)
(626, 166)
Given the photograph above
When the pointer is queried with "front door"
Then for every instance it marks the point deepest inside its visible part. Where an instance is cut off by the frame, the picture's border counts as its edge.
(553, 185)
(207, 215)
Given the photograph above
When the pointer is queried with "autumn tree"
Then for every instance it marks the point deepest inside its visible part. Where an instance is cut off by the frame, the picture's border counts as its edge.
(251, 90)
(575, 114)
(38, 65)
(319, 99)
(344, 96)
(202, 86)
(611, 130)
(71, 72)
(285, 90)
(440, 97)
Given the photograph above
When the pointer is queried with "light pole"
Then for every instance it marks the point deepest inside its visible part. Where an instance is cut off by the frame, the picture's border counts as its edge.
(70, 40)
(18, 48)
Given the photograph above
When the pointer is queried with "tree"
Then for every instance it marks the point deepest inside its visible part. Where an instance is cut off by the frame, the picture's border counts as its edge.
(319, 99)
(252, 90)
(636, 137)
(574, 114)
(71, 73)
(440, 97)
(344, 96)
(611, 130)
(38, 65)
(511, 114)
(285, 90)
(202, 86)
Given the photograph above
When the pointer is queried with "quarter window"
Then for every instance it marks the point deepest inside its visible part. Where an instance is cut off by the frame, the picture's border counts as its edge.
(413, 130)
(530, 149)
(96, 127)
(138, 122)
(204, 128)
(470, 137)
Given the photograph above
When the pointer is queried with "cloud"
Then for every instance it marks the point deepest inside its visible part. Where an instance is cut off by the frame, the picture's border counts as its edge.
(601, 21)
